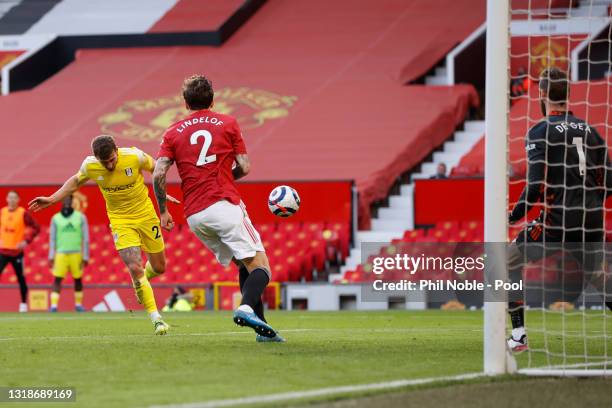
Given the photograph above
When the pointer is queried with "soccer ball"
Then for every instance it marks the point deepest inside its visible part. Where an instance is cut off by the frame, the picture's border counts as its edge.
(284, 201)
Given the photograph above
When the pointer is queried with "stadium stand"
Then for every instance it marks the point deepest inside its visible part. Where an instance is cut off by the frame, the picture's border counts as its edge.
(593, 105)
(300, 251)
(333, 74)
(310, 112)
(457, 236)
(190, 15)
(91, 17)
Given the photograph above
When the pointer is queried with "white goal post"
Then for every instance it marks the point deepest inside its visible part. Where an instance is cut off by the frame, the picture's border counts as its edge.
(566, 337)
(496, 183)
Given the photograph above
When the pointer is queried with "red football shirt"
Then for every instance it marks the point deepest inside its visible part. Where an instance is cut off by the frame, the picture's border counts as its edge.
(204, 146)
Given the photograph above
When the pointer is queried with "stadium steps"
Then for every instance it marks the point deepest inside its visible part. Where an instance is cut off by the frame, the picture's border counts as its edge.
(392, 221)
(591, 8)
(453, 150)
(6, 5)
(438, 79)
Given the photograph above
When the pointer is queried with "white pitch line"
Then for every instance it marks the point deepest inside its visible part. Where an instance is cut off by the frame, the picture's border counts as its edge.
(145, 335)
(381, 330)
(320, 392)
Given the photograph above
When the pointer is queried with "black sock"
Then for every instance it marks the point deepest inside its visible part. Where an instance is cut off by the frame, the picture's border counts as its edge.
(254, 286)
(517, 314)
(259, 307)
(243, 274)
(609, 305)
(259, 311)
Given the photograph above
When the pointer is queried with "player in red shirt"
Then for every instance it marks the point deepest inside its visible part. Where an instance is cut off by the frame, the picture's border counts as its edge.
(210, 155)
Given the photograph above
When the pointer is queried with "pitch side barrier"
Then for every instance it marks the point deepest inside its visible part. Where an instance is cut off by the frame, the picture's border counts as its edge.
(464, 200)
(120, 297)
(60, 52)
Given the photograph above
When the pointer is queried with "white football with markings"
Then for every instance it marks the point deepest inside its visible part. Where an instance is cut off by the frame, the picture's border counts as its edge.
(284, 201)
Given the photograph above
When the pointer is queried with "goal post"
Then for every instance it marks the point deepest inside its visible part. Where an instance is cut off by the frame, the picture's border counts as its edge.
(496, 183)
(568, 326)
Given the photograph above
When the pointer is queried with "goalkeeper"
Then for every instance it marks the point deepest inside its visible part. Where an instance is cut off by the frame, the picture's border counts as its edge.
(569, 173)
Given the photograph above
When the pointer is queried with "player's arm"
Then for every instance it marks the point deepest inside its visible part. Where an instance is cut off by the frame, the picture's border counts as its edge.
(52, 241)
(607, 170)
(608, 176)
(70, 186)
(148, 163)
(532, 192)
(85, 243)
(160, 173)
(243, 166)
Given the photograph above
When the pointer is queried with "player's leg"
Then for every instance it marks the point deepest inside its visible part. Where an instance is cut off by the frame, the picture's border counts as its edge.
(128, 241)
(518, 340)
(244, 241)
(258, 268)
(152, 242)
(222, 229)
(55, 293)
(4, 260)
(156, 264)
(17, 262)
(243, 274)
(591, 256)
(528, 247)
(60, 268)
(78, 295)
(76, 268)
(132, 258)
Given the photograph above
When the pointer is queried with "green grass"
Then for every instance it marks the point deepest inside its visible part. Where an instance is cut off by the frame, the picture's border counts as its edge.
(114, 360)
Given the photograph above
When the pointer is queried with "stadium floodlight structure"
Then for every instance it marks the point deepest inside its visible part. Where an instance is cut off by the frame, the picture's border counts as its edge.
(573, 338)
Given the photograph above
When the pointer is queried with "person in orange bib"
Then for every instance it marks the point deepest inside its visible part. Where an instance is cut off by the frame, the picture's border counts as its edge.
(17, 230)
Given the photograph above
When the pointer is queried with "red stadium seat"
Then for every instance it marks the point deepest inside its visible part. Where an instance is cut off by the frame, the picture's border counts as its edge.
(279, 273)
(414, 235)
(439, 235)
(289, 228)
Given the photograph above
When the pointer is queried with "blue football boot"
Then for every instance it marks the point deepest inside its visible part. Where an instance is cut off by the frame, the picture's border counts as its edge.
(275, 339)
(250, 319)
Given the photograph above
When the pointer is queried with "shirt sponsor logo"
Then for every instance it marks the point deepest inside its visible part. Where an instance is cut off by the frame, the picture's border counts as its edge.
(147, 120)
(115, 189)
(530, 146)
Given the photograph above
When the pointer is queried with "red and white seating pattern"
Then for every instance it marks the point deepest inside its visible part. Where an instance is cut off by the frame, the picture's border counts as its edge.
(546, 271)
(295, 251)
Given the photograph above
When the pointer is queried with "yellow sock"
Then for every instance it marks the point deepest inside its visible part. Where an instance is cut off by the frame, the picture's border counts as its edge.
(144, 293)
(78, 298)
(150, 272)
(54, 299)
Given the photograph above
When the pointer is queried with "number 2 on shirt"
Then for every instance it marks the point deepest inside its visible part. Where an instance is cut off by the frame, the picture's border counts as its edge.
(203, 158)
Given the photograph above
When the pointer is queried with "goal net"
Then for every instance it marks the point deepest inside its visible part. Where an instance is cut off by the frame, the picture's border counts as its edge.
(565, 261)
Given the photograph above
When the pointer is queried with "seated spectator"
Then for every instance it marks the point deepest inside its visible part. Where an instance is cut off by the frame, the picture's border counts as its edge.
(180, 301)
(440, 172)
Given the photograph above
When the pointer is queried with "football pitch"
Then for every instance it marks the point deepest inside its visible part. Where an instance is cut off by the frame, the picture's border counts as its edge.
(115, 360)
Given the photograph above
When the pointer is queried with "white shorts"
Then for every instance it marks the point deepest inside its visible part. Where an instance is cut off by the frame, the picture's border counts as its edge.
(227, 231)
